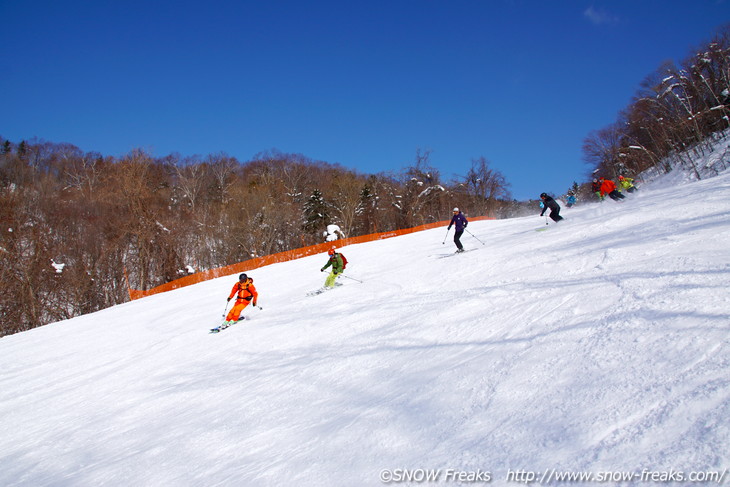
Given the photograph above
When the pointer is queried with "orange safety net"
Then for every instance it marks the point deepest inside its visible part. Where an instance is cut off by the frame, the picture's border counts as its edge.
(286, 256)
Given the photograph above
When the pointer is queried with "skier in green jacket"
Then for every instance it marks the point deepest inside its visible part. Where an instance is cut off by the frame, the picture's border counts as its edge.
(627, 184)
(337, 264)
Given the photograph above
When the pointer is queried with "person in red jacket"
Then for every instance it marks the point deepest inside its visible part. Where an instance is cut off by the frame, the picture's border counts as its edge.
(245, 292)
(608, 187)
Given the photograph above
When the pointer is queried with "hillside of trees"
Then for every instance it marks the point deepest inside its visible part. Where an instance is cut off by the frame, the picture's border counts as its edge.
(678, 111)
(79, 228)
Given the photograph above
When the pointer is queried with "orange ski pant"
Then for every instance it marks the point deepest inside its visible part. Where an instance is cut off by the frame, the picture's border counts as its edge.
(235, 312)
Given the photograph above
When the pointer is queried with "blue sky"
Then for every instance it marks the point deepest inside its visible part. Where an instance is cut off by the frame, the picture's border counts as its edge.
(363, 84)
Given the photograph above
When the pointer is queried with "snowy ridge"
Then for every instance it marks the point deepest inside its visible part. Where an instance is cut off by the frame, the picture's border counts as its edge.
(598, 346)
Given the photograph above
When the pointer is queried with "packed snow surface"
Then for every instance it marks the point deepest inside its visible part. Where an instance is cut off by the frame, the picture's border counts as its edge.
(599, 346)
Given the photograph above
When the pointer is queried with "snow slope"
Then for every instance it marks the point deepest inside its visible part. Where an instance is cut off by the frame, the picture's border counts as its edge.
(599, 346)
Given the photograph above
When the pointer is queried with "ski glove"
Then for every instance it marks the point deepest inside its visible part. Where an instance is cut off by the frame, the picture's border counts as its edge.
(228, 300)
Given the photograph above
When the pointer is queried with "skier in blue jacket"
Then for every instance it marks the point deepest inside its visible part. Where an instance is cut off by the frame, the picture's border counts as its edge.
(571, 199)
(460, 222)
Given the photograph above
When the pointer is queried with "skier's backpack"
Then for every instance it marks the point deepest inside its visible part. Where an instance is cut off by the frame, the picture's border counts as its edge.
(245, 288)
(344, 262)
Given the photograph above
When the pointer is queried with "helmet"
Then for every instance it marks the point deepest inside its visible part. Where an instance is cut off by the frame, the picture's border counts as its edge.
(243, 277)
(331, 251)
(620, 177)
(456, 210)
(543, 195)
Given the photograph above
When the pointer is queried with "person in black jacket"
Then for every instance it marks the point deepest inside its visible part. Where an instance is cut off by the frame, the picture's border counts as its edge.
(553, 205)
(596, 188)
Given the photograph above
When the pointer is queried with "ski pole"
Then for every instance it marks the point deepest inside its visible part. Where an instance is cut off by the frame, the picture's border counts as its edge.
(225, 310)
(358, 280)
(467, 231)
(447, 234)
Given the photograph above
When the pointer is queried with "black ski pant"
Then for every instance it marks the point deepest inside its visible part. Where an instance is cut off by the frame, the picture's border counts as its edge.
(615, 195)
(457, 236)
(555, 215)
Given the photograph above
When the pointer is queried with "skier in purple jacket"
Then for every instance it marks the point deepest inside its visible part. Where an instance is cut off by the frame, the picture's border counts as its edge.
(459, 221)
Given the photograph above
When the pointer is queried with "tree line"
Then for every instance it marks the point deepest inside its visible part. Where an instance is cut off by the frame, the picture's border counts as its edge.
(678, 112)
(78, 228)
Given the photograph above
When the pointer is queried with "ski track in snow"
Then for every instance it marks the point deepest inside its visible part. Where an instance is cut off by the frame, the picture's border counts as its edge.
(599, 345)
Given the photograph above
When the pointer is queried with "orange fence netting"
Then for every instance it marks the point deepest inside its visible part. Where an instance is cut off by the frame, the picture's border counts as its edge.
(288, 255)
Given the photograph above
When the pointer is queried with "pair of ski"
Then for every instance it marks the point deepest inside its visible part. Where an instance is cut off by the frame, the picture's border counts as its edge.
(225, 325)
(443, 256)
(321, 290)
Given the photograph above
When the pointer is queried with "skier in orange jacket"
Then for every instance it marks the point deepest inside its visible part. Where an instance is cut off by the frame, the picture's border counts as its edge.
(246, 292)
(608, 187)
